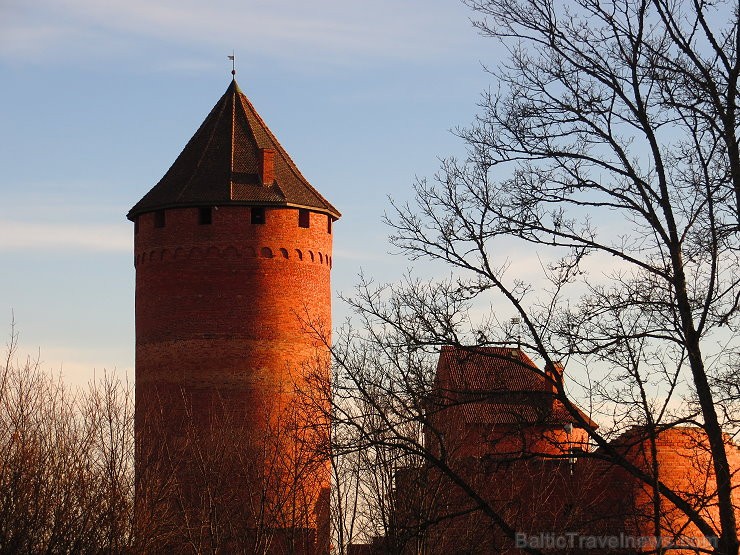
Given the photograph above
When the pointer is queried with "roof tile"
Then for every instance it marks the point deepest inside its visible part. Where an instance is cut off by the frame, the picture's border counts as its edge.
(221, 165)
(499, 385)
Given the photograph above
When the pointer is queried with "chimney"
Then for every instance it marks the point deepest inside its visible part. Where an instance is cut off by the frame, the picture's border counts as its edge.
(267, 165)
(554, 371)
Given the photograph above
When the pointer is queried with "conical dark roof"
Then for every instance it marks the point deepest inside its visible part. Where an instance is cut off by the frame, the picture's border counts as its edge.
(220, 165)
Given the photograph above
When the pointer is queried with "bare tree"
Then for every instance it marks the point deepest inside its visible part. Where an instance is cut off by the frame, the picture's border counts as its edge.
(214, 485)
(608, 148)
(66, 475)
(221, 484)
(106, 407)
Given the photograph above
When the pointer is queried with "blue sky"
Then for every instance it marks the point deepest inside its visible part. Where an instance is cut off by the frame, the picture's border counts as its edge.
(98, 98)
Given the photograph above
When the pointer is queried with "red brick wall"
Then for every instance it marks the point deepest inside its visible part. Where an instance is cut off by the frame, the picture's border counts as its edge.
(685, 466)
(213, 312)
(218, 314)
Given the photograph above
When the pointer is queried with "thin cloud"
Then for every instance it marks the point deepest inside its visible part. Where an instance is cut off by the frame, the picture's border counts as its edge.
(78, 367)
(333, 30)
(55, 236)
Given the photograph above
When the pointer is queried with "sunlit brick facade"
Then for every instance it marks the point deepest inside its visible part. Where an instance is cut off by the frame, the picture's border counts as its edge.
(233, 255)
(499, 430)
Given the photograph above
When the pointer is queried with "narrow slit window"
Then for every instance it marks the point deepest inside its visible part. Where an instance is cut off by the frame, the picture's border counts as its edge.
(205, 215)
(136, 225)
(159, 218)
(304, 217)
(258, 214)
(328, 224)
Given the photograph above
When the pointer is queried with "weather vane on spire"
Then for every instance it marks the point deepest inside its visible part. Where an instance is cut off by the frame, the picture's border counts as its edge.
(233, 63)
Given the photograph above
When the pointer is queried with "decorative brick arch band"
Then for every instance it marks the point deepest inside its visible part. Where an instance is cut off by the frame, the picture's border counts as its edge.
(230, 252)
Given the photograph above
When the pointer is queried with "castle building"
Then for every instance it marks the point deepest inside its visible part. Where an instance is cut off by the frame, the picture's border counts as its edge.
(503, 438)
(233, 255)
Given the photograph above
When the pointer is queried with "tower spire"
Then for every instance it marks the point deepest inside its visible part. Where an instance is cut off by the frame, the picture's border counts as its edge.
(222, 164)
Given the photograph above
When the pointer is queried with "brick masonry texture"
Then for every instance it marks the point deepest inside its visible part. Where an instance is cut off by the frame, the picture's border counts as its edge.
(219, 311)
(503, 434)
(213, 312)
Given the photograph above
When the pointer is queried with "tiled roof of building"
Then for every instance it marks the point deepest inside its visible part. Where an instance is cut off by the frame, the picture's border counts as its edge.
(499, 385)
(222, 164)
(537, 409)
(492, 369)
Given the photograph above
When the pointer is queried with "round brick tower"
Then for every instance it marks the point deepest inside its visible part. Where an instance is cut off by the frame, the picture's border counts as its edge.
(233, 252)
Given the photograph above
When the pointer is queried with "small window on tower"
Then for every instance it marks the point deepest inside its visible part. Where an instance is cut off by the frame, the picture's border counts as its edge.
(159, 218)
(258, 214)
(205, 215)
(136, 225)
(303, 217)
(329, 221)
